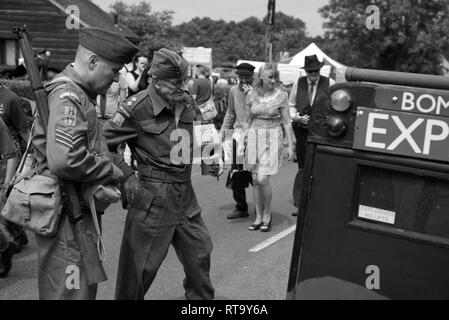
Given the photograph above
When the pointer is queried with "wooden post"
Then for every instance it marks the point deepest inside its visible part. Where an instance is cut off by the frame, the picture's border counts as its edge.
(270, 24)
(269, 45)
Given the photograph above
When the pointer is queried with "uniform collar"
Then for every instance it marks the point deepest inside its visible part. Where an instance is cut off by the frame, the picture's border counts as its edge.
(76, 78)
(157, 101)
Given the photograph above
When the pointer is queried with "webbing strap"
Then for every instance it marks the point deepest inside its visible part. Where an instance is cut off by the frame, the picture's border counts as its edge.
(100, 245)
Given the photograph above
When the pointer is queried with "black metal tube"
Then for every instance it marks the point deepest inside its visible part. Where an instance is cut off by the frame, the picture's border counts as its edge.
(398, 78)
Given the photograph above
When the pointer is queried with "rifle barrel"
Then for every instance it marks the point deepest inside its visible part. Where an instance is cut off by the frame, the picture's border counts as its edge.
(33, 74)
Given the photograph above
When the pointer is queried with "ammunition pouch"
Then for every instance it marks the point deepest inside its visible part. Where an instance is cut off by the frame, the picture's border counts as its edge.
(103, 196)
(34, 203)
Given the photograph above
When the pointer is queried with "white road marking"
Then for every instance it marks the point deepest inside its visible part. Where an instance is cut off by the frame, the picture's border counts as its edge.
(273, 239)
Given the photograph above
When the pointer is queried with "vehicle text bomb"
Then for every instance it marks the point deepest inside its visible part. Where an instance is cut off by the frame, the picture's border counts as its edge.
(424, 103)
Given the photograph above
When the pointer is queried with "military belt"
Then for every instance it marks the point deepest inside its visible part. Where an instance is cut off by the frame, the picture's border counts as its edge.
(149, 173)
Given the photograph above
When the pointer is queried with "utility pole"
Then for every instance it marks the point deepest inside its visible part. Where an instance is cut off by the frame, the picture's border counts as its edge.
(270, 25)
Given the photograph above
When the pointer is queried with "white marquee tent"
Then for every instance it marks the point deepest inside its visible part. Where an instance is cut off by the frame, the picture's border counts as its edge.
(290, 70)
(338, 68)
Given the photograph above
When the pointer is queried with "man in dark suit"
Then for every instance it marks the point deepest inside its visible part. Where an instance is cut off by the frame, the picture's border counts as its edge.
(302, 97)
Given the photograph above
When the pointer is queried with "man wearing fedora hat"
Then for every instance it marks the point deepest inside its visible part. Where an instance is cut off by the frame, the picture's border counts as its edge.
(302, 98)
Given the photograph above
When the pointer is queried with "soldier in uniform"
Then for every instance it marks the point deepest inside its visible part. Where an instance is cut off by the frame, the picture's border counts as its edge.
(163, 208)
(15, 119)
(9, 153)
(77, 152)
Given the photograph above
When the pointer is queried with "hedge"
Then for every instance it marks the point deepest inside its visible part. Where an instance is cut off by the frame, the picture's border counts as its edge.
(20, 87)
(23, 89)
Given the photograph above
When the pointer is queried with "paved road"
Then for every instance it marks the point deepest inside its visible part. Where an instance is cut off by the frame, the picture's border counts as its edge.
(236, 272)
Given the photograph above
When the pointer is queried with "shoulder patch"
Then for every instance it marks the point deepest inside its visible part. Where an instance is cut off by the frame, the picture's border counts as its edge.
(136, 99)
(70, 113)
(118, 119)
(125, 112)
(69, 94)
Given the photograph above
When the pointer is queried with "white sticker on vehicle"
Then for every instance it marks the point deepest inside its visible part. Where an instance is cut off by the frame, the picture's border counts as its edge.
(376, 214)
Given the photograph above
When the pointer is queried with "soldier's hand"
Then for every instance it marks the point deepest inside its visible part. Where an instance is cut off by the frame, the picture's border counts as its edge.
(117, 174)
(304, 120)
(131, 186)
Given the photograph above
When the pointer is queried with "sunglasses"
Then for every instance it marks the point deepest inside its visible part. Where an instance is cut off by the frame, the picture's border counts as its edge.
(312, 71)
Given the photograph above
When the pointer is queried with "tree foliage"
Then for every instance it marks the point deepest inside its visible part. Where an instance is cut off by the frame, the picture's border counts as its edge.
(229, 41)
(154, 27)
(412, 35)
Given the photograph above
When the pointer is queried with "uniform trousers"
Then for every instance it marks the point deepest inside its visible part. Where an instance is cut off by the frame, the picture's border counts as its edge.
(61, 275)
(164, 213)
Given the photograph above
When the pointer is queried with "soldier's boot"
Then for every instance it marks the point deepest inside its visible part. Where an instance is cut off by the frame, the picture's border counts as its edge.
(6, 258)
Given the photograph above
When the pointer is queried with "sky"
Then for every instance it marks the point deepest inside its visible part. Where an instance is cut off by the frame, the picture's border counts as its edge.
(236, 10)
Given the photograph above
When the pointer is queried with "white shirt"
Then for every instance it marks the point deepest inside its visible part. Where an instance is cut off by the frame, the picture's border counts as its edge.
(292, 98)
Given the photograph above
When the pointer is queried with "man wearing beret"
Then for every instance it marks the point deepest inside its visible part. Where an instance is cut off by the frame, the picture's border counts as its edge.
(162, 205)
(77, 152)
(235, 118)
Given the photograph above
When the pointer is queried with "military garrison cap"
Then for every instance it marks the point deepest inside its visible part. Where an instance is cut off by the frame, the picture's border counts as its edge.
(108, 45)
(167, 64)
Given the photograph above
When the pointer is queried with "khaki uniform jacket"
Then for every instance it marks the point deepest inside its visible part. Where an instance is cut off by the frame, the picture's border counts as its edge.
(149, 126)
(74, 149)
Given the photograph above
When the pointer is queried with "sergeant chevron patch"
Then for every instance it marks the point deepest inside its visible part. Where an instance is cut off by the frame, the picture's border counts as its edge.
(67, 139)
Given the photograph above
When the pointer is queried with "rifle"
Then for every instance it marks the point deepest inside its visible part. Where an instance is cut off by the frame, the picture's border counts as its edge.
(89, 258)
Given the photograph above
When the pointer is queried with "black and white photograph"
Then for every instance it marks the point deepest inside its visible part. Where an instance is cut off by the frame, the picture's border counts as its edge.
(245, 152)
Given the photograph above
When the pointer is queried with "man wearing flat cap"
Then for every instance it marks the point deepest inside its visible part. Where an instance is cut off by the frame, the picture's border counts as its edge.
(302, 98)
(77, 152)
(236, 117)
(162, 205)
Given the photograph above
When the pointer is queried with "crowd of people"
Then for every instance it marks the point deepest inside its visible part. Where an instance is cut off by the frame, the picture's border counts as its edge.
(100, 109)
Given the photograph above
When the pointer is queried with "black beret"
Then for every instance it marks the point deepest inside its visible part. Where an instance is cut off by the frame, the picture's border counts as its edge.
(109, 45)
(167, 64)
(245, 69)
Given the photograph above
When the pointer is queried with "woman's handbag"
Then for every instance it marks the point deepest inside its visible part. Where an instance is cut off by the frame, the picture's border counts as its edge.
(208, 109)
(34, 201)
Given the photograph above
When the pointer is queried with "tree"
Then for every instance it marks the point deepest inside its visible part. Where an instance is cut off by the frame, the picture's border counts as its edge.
(154, 27)
(411, 38)
(231, 41)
